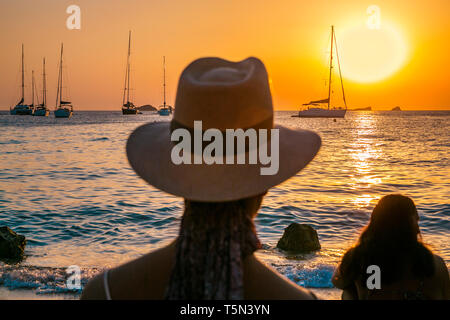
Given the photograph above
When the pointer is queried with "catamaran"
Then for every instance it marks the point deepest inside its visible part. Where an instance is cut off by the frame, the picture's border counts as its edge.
(64, 109)
(41, 109)
(315, 109)
(20, 108)
(165, 110)
(128, 107)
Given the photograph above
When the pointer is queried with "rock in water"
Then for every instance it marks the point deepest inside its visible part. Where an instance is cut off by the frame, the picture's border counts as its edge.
(12, 245)
(299, 238)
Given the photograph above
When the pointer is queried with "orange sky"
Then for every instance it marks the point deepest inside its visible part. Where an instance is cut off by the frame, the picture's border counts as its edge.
(290, 36)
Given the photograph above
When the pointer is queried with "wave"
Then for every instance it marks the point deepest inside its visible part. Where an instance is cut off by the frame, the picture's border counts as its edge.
(53, 280)
(43, 280)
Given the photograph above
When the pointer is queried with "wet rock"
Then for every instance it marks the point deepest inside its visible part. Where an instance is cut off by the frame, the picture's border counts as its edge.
(12, 245)
(299, 238)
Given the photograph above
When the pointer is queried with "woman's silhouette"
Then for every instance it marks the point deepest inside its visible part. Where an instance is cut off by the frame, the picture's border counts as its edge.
(392, 241)
(212, 258)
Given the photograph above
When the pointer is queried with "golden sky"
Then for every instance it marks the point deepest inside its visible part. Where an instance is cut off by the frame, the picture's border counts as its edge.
(405, 62)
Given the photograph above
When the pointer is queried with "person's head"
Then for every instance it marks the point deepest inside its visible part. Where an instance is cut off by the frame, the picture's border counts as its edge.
(391, 241)
(394, 219)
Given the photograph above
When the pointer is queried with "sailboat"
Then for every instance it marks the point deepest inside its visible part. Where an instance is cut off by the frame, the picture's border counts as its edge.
(64, 109)
(165, 110)
(20, 108)
(316, 109)
(128, 107)
(41, 109)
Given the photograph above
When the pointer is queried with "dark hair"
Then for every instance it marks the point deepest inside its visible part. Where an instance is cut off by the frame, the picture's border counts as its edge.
(391, 241)
(214, 239)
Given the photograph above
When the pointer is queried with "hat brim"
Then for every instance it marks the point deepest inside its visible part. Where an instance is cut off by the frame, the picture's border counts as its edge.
(149, 153)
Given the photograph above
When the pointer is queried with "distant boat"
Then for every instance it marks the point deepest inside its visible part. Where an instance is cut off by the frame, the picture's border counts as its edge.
(314, 109)
(128, 107)
(64, 109)
(42, 110)
(165, 110)
(397, 108)
(20, 108)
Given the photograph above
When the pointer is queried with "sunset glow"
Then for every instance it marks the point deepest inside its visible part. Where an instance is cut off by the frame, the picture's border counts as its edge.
(404, 62)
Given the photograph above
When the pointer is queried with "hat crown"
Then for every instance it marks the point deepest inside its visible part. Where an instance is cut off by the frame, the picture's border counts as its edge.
(223, 94)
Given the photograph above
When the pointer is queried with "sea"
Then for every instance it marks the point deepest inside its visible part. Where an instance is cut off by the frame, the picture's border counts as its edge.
(66, 185)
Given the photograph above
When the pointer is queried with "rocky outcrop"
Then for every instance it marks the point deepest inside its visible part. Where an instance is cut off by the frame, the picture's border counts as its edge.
(12, 245)
(299, 238)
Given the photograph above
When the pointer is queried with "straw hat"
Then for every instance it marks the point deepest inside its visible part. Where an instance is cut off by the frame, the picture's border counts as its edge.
(223, 95)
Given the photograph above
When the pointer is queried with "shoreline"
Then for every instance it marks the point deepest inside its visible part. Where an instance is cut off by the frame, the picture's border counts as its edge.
(30, 294)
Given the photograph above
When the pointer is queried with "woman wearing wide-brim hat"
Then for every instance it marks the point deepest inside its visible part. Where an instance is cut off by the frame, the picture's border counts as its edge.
(212, 258)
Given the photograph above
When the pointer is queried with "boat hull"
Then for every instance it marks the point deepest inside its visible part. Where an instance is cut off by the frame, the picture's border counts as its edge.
(63, 113)
(22, 110)
(164, 112)
(322, 113)
(129, 111)
(41, 112)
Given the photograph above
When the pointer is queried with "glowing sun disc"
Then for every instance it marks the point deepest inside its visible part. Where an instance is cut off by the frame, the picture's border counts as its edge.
(370, 55)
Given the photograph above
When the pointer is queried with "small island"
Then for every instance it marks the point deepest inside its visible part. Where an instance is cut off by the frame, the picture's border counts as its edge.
(397, 108)
(363, 109)
(147, 107)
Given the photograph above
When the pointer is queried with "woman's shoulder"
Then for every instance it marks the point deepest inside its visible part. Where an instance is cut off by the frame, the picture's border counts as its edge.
(341, 278)
(439, 263)
(94, 289)
(143, 278)
(442, 274)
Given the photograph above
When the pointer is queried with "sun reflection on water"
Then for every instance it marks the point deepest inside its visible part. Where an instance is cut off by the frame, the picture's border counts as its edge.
(364, 153)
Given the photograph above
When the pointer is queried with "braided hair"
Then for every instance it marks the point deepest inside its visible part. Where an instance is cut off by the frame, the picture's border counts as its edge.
(214, 239)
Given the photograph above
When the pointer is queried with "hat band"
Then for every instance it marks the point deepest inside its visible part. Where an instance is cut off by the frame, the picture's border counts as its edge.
(265, 124)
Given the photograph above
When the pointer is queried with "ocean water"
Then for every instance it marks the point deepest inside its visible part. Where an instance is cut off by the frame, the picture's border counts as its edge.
(67, 186)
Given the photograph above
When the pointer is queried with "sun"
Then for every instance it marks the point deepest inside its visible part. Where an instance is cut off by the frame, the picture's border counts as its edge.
(371, 54)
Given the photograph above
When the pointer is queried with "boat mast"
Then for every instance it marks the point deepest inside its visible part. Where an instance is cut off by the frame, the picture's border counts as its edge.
(331, 67)
(32, 87)
(59, 88)
(128, 67)
(23, 77)
(164, 85)
(127, 72)
(60, 72)
(44, 87)
(340, 73)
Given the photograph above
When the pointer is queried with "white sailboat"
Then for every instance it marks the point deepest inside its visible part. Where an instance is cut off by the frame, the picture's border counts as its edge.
(165, 110)
(64, 109)
(20, 108)
(128, 107)
(316, 109)
(42, 110)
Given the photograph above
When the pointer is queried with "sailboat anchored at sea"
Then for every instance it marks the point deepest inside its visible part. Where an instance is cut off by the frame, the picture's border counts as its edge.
(20, 108)
(41, 109)
(128, 107)
(64, 109)
(316, 109)
(164, 110)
